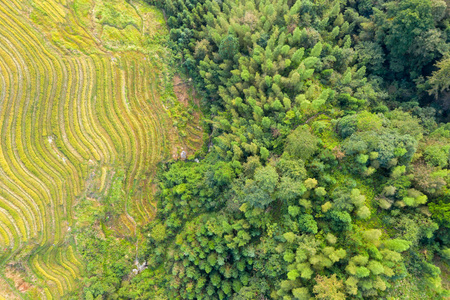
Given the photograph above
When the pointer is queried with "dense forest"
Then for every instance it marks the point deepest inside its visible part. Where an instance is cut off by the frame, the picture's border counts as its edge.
(325, 167)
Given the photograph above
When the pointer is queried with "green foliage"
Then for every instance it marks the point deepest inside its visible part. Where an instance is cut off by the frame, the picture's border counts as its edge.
(296, 96)
(229, 47)
(158, 233)
(408, 33)
(440, 81)
(307, 224)
(405, 123)
(392, 148)
(363, 212)
(310, 183)
(299, 96)
(107, 258)
(397, 245)
(259, 192)
(441, 212)
(437, 155)
(340, 220)
(301, 143)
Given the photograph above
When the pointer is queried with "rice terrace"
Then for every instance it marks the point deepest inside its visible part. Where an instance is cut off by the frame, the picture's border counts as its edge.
(224, 149)
(87, 109)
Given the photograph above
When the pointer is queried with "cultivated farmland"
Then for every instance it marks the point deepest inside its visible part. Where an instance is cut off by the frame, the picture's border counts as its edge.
(84, 91)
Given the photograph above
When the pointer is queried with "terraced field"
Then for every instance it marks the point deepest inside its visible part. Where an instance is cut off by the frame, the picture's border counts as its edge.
(82, 85)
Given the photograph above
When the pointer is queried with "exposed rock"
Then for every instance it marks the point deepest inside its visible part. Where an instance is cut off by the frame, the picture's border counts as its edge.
(140, 267)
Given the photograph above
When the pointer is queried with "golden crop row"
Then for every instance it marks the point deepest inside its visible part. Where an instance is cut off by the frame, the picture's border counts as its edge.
(21, 153)
(62, 117)
(45, 275)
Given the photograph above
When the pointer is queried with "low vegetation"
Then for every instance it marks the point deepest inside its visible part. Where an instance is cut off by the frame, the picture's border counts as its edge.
(87, 109)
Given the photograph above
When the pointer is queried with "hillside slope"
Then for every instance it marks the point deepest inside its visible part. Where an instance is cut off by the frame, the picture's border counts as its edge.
(82, 86)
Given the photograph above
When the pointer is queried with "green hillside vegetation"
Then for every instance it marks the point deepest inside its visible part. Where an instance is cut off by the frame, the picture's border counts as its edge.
(325, 173)
(321, 172)
(87, 109)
